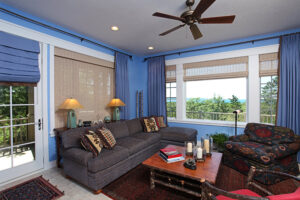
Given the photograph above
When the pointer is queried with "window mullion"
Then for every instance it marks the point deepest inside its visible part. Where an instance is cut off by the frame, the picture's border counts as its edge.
(180, 95)
(253, 105)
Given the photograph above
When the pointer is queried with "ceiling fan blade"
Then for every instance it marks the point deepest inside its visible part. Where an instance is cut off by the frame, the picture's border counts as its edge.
(217, 20)
(171, 30)
(158, 14)
(195, 31)
(202, 7)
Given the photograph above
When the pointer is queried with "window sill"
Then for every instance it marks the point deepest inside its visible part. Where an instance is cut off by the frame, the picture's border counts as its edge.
(208, 122)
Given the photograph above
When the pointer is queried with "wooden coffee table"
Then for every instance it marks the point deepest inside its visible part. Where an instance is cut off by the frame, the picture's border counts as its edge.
(176, 176)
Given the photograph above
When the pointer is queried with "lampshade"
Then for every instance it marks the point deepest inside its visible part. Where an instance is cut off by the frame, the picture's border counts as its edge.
(116, 103)
(70, 104)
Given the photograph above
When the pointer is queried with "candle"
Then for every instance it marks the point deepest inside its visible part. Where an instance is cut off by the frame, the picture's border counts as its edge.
(189, 147)
(199, 153)
(206, 145)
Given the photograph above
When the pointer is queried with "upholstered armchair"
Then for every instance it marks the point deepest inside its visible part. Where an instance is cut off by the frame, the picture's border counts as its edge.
(263, 146)
(210, 192)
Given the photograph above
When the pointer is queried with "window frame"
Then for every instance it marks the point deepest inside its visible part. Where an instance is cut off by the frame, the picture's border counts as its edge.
(170, 97)
(253, 83)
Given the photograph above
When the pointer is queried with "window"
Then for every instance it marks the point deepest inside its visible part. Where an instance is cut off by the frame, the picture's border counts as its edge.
(171, 99)
(268, 99)
(216, 99)
(214, 89)
(268, 65)
(17, 132)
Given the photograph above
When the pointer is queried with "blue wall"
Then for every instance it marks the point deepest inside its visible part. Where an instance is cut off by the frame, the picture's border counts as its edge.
(137, 82)
(203, 130)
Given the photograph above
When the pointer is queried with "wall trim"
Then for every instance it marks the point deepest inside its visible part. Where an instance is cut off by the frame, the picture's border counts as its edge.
(45, 38)
(227, 54)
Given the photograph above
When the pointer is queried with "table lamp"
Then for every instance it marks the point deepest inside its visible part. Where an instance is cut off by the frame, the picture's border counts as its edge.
(70, 105)
(116, 103)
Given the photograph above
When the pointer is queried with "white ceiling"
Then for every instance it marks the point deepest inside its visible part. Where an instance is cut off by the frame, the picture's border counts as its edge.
(139, 29)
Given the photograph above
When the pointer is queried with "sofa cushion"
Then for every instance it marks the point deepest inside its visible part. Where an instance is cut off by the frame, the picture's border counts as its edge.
(91, 142)
(160, 122)
(118, 129)
(179, 134)
(151, 138)
(134, 126)
(252, 150)
(133, 145)
(107, 158)
(150, 125)
(106, 137)
(268, 134)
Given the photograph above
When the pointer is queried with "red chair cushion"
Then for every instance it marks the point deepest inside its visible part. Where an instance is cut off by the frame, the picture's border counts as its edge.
(291, 196)
(242, 191)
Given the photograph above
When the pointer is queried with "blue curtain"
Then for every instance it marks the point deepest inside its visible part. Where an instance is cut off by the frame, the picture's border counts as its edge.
(156, 87)
(122, 83)
(288, 113)
(18, 59)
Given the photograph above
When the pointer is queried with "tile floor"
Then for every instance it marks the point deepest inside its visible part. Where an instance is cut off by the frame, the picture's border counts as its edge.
(73, 191)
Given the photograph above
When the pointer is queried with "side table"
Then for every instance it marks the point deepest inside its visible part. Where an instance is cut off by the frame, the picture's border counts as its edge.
(58, 132)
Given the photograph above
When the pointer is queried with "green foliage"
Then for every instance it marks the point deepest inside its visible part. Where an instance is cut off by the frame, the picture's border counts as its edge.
(214, 109)
(269, 100)
(219, 139)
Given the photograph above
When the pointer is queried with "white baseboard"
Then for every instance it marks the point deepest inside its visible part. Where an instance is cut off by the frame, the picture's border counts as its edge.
(50, 165)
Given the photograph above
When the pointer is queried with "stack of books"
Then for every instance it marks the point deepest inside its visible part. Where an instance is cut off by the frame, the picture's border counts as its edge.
(170, 155)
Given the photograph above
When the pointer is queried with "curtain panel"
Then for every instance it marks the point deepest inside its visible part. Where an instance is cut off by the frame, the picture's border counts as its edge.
(19, 59)
(157, 87)
(122, 83)
(288, 113)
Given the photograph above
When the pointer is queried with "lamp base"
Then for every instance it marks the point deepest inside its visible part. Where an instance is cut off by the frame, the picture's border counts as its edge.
(116, 114)
(71, 119)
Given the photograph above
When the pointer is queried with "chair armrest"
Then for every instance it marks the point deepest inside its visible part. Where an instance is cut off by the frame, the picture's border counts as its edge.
(239, 138)
(283, 150)
(78, 155)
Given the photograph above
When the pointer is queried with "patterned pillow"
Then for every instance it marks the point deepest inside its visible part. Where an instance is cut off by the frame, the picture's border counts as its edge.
(91, 142)
(150, 125)
(106, 137)
(160, 122)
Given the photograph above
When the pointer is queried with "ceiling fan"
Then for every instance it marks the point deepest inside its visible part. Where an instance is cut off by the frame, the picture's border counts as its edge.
(191, 17)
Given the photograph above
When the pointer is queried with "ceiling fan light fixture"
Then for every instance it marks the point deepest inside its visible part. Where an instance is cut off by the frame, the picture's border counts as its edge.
(114, 28)
(151, 48)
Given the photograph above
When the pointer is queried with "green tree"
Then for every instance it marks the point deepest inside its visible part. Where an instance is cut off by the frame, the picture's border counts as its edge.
(235, 104)
(269, 99)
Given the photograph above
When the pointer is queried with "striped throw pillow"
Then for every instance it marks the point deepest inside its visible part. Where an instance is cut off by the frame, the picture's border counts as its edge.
(106, 137)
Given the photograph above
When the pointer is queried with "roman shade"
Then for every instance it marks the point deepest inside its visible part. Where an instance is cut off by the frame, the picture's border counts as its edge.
(268, 64)
(216, 69)
(170, 73)
(19, 60)
(88, 79)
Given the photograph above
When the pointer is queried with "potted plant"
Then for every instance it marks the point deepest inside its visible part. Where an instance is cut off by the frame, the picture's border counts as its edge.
(218, 141)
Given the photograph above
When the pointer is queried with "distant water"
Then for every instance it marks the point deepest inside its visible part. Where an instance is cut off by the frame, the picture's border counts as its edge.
(173, 99)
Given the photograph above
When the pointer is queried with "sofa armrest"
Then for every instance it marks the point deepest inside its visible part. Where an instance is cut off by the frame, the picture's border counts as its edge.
(78, 155)
(284, 150)
(239, 138)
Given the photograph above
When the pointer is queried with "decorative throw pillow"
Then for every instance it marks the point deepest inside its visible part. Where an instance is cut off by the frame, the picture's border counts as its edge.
(91, 142)
(106, 137)
(150, 125)
(160, 122)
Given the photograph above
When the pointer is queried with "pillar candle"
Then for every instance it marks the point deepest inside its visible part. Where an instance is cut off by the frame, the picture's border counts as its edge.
(199, 153)
(206, 145)
(189, 147)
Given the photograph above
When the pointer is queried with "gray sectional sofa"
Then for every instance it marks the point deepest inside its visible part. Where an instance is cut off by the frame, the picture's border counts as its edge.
(133, 147)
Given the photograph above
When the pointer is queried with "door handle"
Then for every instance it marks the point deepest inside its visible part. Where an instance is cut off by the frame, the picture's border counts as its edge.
(40, 124)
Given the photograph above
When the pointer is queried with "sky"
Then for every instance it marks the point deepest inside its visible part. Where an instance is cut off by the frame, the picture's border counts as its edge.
(218, 87)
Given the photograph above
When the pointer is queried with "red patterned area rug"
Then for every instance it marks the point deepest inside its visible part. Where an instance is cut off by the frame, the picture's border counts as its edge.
(135, 185)
(34, 189)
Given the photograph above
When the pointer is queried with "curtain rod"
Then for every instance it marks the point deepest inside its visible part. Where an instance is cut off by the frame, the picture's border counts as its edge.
(58, 30)
(220, 46)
